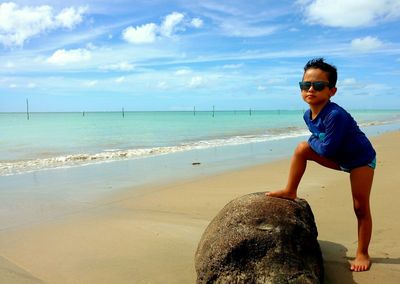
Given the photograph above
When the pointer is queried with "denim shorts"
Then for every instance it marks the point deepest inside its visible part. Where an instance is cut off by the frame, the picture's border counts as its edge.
(372, 165)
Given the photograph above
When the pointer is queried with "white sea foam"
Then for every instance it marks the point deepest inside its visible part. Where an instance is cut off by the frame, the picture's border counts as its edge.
(109, 155)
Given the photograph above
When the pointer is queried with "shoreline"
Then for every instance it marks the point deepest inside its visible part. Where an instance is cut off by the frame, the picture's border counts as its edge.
(52, 157)
(150, 233)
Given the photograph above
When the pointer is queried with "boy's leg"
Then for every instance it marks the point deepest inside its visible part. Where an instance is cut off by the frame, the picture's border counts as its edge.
(298, 165)
(361, 183)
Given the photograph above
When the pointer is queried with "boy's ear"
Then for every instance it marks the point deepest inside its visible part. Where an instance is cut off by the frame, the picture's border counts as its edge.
(332, 91)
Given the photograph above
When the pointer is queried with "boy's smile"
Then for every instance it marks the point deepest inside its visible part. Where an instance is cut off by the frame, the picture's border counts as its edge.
(317, 99)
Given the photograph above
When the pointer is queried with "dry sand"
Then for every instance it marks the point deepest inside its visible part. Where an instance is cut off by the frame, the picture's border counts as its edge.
(149, 235)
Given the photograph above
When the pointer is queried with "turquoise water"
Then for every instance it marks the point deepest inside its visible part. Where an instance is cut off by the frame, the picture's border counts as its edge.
(53, 140)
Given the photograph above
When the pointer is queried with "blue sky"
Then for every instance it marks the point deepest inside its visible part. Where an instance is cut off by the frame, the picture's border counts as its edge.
(174, 55)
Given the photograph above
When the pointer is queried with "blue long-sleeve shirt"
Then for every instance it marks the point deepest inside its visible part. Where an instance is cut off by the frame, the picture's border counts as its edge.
(336, 136)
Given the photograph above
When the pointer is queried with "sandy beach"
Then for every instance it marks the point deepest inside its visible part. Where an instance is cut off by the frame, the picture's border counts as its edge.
(150, 234)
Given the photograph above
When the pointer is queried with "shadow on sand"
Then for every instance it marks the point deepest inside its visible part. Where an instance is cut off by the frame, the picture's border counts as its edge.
(385, 260)
(336, 263)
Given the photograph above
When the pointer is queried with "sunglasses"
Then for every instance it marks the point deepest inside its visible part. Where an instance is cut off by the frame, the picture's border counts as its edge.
(318, 86)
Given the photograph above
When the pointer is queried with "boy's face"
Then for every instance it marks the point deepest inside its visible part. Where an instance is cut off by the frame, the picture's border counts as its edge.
(312, 96)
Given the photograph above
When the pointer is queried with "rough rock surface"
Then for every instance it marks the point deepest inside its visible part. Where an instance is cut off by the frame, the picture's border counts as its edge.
(259, 239)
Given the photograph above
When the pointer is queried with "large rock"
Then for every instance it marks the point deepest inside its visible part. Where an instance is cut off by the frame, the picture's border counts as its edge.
(259, 239)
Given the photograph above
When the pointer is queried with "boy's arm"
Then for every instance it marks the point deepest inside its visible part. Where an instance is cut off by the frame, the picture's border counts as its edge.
(328, 144)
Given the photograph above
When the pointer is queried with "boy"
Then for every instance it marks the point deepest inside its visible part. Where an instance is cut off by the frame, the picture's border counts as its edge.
(337, 143)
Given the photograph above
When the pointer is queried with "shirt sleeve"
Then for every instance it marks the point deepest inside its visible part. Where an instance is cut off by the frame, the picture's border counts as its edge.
(328, 145)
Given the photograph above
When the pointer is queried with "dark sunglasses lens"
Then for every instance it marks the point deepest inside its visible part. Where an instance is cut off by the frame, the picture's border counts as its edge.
(319, 86)
(305, 85)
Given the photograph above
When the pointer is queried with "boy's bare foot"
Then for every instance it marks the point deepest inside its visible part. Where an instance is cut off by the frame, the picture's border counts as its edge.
(282, 194)
(361, 263)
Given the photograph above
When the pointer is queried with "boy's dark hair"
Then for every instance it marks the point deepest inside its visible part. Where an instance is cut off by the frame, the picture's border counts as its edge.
(319, 63)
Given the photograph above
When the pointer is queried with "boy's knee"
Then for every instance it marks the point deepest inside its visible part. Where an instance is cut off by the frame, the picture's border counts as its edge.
(302, 149)
(360, 210)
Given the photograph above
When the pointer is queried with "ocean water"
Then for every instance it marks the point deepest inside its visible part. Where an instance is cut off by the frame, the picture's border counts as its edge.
(63, 140)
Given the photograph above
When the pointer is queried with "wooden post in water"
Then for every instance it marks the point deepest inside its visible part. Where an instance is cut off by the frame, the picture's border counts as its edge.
(194, 111)
(250, 111)
(123, 113)
(27, 109)
(213, 111)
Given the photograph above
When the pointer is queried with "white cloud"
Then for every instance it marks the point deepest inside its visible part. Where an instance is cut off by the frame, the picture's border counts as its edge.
(62, 56)
(183, 71)
(243, 20)
(261, 88)
(141, 34)
(276, 80)
(345, 13)
(121, 66)
(242, 29)
(232, 66)
(171, 24)
(18, 24)
(70, 17)
(91, 46)
(349, 82)
(91, 83)
(120, 79)
(365, 44)
(31, 85)
(196, 82)
(196, 23)
(148, 33)
(162, 85)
